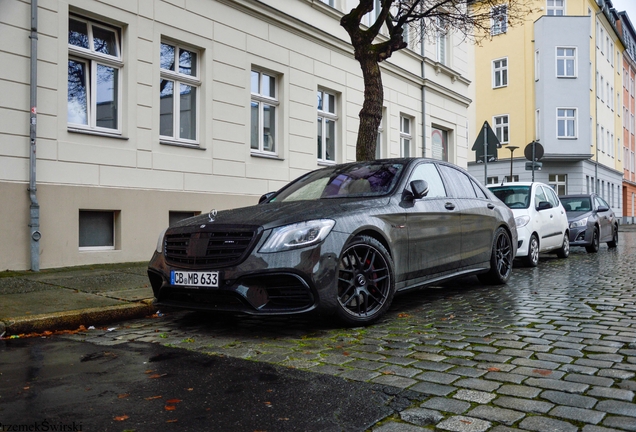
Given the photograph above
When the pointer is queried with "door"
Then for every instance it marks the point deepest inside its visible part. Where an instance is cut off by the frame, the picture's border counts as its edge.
(604, 219)
(433, 225)
(545, 222)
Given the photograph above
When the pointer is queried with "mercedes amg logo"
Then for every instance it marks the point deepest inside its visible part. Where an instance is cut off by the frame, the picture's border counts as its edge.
(212, 215)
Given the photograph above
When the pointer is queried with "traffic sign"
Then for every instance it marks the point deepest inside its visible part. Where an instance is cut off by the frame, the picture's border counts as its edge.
(486, 136)
(538, 151)
(537, 166)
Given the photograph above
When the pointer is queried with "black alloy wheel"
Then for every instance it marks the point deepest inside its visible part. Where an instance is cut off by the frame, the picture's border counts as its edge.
(500, 260)
(365, 281)
(532, 259)
(614, 242)
(564, 251)
(593, 247)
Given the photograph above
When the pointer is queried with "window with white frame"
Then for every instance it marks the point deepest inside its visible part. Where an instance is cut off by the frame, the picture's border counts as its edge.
(566, 122)
(556, 7)
(264, 112)
(331, 3)
(566, 62)
(94, 70)
(611, 148)
(602, 139)
(537, 125)
(178, 93)
(502, 128)
(499, 20)
(96, 230)
(442, 40)
(500, 73)
(559, 183)
(601, 87)
(406, 136)
(537, 68)
(493, 180)
(327, 120)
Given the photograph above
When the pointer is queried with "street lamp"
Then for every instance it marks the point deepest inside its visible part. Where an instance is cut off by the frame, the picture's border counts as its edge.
(512, 150)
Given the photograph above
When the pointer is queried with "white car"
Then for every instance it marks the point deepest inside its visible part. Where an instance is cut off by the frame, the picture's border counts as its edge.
(542, 224)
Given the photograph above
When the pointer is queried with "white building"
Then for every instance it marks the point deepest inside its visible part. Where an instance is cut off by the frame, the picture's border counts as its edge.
(152, 110)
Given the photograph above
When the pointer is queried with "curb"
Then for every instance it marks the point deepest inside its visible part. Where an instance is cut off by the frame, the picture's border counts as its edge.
(70, 320)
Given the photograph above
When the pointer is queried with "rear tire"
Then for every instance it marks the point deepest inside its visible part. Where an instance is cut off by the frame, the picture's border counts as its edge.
(564, 252)
(593, 248)
(365, 282)
(532, 260)
(500, 260)
(614, 242)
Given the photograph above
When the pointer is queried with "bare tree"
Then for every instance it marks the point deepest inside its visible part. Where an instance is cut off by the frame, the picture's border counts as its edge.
(372, 45)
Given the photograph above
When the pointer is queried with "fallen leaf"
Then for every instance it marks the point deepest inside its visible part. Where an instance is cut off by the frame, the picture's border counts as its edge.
(123, 395)
(542, 372)
(173, 401)
(403, 315)
(157, 375)
(172, 421)
(153, 397)
(283, 418)
(494, 369)
(345, 353)
(190, 389)
(170, 407)
(121, 418)
(466, 421)
(149, 371)
(26, 388)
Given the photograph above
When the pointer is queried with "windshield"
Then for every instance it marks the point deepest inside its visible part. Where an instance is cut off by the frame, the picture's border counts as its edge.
(365, 179)
(515, 197)
(576, 204)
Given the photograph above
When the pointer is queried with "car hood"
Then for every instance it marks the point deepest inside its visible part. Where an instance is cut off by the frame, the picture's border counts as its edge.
(576, 215)
(271, 215)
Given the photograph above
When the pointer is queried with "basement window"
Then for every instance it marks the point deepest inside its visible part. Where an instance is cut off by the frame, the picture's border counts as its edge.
(97, 230)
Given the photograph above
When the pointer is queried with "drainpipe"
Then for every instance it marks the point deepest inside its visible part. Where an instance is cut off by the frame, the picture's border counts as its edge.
(423, 53)
(34, 224)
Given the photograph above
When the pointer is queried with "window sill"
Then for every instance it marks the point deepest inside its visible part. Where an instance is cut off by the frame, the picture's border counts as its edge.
(567, 138)
(266, 156)
(566, 77)
(180, 144)
(326, 163)
(96, 133)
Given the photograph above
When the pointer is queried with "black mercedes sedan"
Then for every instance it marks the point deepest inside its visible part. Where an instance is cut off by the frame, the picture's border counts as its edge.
(592, 221)
(339, 241)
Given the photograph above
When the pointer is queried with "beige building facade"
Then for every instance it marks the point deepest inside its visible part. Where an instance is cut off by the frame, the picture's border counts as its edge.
(149, 111)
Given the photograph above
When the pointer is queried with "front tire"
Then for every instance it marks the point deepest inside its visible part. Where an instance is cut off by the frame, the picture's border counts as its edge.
(500, 260)
(614, 242)
(564, 252)
(365, 281)
(593, 248)
(532, 260)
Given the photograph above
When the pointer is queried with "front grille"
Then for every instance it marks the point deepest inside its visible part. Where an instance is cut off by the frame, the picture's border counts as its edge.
(208, 248)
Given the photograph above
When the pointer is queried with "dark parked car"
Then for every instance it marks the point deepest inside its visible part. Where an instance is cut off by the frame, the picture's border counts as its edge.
(592, 221)
(340, 240)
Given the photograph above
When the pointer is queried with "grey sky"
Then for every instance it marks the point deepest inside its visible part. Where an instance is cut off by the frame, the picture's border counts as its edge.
(626, 5)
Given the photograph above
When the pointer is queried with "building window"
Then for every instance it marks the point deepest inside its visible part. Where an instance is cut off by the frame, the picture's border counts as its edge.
(502, 128)
(326, 126)
(515, 178)
(405, 136)
(94, 66)
(329, 2)
(96, 230)
(566, 62)
(537, 125)
(178, 91)
(442, 40)
(379, 143)
(558, 183)
(264, 110)
(500, 73)
(556, 7)
(439, 143)
(537, 68)
(493, 180)
(566, 122)
(498, 20)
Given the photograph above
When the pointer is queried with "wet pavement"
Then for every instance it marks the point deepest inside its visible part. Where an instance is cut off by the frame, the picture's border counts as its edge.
(554, 349)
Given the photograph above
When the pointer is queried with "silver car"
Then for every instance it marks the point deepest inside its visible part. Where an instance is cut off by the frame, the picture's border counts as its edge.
(592, 221)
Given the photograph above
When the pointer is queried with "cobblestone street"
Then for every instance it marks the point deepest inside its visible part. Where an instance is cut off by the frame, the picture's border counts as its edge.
(553, 350)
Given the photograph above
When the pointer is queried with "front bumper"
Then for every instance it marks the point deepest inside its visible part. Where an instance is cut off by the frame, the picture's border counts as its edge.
(280, 283)
(523, 236)
(581, 236)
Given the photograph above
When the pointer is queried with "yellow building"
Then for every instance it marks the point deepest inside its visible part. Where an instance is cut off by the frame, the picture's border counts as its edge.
(555, 80)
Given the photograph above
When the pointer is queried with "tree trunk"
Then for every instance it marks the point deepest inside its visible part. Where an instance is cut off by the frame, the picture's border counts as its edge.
(371, 112)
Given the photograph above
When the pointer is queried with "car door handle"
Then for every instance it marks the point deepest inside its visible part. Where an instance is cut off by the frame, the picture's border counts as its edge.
(449, 206)
(491, 206)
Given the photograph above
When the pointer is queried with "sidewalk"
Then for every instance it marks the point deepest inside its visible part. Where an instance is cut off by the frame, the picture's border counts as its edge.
(67, 298)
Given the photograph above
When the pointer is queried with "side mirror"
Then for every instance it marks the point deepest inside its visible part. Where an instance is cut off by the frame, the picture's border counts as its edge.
(602, 209)
(266, 197)
(544, 205)
(419, 188)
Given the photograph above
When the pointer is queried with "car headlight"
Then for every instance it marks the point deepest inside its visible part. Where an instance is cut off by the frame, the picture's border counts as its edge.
(298, 235)
(160, 241)
(522, 221)
(579, 223)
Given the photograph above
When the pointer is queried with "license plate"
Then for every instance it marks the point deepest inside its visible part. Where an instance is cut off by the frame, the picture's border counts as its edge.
(197, 279)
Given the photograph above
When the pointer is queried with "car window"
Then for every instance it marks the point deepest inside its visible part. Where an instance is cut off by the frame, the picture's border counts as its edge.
(364, 179)
(515, 197)
(539, 196)
(460, 185)
(603, 202)
(576, 204)
(552, 198)
(478, 190)
(429, 173)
